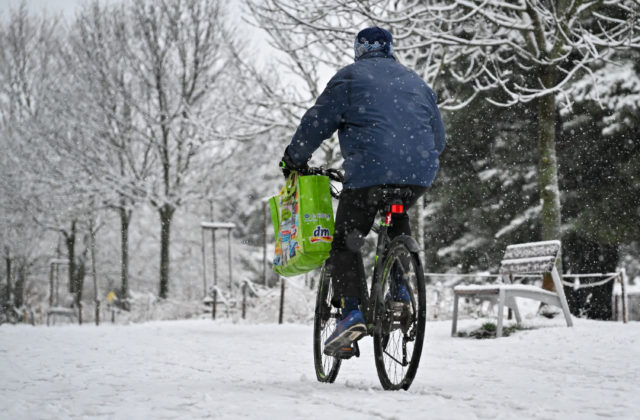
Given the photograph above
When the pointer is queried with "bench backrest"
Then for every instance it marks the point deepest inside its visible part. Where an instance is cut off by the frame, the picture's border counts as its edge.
(530, 258)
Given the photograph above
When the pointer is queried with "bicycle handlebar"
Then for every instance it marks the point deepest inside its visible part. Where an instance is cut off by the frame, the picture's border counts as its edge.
(333, 174)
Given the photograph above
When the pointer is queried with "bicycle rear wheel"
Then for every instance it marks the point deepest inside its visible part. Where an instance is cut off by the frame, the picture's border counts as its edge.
(399, 330)
(324, 323)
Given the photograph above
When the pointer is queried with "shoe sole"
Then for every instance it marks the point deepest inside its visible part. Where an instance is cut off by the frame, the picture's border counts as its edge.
(348, 336)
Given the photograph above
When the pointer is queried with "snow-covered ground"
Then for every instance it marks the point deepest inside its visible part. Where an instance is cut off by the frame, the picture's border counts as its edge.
(206, 369)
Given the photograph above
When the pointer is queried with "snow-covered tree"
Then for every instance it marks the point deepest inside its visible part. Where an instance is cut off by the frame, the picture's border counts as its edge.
(291, 81)
(95, 98)
(177, 52)
(506, 52)
(46, 187)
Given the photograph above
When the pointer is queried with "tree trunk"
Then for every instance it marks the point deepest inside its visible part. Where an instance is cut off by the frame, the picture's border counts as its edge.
(7, 259)
(92, 238)
(548, 167)
(18, 289)
(79, 276)
(166, 214)
(125, 219)
(70, 241)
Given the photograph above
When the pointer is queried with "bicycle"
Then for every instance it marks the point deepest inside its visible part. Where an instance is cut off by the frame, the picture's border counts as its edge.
(397, 328)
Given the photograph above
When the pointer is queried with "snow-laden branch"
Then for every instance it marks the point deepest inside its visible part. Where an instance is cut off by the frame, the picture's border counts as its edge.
(529, 35)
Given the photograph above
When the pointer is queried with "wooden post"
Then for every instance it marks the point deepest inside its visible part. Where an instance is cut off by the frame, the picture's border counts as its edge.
(215, 259)
(204, 264)
(214, 303)
(623, 296)
(57, 283)
(454, 320)
(51, 286)
(57, 271)
(282, 287)
(244, 300)
(230, 259)
(500, 312)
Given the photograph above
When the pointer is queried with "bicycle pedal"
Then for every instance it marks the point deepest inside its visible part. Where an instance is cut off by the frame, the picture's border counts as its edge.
(346, 353)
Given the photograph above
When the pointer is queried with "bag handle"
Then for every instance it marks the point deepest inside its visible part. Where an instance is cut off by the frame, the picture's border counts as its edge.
(289, 187)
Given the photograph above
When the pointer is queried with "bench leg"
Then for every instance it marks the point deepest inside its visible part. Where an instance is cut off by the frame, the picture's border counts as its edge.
(500, 312)
(563, 299)
(514, 306)
(454, 321)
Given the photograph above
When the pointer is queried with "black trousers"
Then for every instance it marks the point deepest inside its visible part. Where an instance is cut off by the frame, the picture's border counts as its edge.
(357, 210)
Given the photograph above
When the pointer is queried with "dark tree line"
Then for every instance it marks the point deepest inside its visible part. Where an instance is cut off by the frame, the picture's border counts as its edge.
(486, 195)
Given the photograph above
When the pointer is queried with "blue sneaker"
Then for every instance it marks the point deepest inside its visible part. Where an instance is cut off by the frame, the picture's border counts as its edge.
(350, 329)
(399, 291)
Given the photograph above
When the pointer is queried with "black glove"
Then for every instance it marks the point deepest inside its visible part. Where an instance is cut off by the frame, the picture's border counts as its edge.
(285, 169)
(287, 165)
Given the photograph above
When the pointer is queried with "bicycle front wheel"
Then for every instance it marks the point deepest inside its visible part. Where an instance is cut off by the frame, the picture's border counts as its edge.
(400, 317)
(324, 323)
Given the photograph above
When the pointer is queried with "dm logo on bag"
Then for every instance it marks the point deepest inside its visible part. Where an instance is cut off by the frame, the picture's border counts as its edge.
(321, 234)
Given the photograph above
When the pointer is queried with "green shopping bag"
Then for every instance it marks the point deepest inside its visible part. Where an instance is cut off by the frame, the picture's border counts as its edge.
(302, 215)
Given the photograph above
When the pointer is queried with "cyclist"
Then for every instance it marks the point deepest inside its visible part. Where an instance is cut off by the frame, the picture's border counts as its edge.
(391, 134)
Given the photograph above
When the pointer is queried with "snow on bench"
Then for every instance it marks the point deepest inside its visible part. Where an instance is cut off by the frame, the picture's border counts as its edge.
(217, 225)
(527, 258)
(60, 311)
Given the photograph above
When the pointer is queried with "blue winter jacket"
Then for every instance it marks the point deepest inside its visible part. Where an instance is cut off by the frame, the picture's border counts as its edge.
(388, 123)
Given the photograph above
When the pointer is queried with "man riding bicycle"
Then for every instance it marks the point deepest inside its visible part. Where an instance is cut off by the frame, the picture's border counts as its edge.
(391, 134)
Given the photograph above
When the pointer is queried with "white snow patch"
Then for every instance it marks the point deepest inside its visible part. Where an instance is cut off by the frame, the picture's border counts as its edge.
(487, 174)
(205, 369)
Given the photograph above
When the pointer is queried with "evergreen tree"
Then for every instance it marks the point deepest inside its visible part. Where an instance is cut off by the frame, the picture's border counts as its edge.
(601, 172)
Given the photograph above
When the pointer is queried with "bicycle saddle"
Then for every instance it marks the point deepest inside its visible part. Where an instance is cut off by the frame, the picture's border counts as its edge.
(389, 194)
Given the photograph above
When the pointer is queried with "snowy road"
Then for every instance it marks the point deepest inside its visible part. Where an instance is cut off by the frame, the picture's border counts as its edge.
(201, 369)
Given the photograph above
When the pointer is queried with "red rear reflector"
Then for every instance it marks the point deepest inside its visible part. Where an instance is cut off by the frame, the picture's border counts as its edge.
(397, 208)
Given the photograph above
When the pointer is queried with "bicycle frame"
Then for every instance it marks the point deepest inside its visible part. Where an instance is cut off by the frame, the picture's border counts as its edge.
(393, 205)
(368, 298)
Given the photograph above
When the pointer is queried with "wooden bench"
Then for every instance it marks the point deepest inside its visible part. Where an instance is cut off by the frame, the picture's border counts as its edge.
(529, 258)
(66, 309)
(70, 313)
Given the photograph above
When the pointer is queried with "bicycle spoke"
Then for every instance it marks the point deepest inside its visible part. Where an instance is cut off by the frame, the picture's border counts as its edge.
(325, 322)
(410, 274)
(399, 339)
(404, 351)
(326, 331)
(394, 359)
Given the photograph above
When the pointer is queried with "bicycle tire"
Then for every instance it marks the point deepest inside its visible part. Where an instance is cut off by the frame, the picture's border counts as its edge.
(392, 318)
(325, 315)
